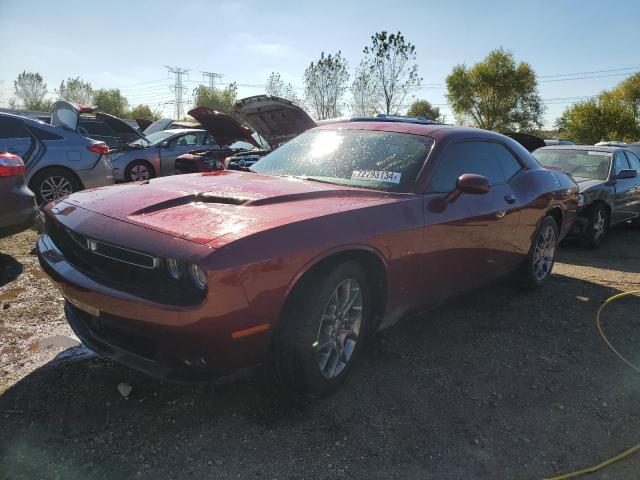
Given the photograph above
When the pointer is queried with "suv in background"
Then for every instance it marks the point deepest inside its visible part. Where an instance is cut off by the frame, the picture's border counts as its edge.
(57, 160)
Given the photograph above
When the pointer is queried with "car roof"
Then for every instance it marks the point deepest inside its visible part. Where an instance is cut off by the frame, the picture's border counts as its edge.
(184, 130)
(590, 148)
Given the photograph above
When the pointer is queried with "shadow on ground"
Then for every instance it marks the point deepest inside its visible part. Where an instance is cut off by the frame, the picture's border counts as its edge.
(502, 384)
(10, 269)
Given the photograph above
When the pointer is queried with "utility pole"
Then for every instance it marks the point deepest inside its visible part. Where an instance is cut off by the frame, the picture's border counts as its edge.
(211, 78)
(178, 89)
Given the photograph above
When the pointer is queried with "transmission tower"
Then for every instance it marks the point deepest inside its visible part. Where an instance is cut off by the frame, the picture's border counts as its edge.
(212, 78)
(178, 89)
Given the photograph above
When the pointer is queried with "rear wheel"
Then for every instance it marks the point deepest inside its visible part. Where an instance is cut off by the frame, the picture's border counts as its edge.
(597, 228)
(139, 170)
(542, 255)
(323, 330)
(53, 183)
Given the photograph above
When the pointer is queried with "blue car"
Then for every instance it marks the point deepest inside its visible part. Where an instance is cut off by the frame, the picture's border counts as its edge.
(58, 160)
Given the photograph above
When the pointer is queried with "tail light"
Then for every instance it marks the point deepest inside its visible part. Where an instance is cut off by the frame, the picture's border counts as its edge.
(10, 165)
(101, 148)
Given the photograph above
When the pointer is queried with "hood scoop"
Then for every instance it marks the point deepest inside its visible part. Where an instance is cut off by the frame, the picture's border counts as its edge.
(187, 199)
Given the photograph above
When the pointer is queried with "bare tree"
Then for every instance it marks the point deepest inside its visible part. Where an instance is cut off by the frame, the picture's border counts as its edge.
(390, 59)
(30, 90)
(275, 86)
(364, 92)
(325, 84)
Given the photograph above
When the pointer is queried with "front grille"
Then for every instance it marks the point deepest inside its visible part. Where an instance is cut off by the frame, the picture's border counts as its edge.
(186, 165)
(122, 269)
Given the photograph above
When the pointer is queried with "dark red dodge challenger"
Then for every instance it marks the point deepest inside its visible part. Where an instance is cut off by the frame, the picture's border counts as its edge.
(339, 232)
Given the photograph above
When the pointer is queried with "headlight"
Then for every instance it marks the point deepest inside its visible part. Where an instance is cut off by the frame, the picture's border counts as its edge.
(198, 276)
(174, 268)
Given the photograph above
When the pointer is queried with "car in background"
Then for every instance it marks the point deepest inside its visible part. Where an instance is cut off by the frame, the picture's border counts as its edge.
(609, 186)
(18, 207)
(611, 143)
(155, 155)
(635, 148)
(549, 142)
(58, 160)
(337, 233)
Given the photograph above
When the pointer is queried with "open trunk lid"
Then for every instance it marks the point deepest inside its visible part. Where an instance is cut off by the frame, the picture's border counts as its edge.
(66, 114)
(275, 119)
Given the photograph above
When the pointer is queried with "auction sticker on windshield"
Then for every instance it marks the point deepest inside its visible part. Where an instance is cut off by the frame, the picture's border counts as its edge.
(376, 175)
(602, 154)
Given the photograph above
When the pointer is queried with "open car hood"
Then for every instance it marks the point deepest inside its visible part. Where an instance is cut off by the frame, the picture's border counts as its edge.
(275, 119)
(528, 141)
(224, 128)
(65, 114)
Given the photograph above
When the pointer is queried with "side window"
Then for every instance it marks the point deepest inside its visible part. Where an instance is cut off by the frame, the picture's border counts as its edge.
(190, 139)
(12, 128)
(483, 158)
(92, 127)
(634, 161)
(620, 163)
(42, 134)
(209, 140)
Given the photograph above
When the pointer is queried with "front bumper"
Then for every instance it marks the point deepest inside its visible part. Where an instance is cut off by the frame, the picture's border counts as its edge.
(180, 344)
(20, 209)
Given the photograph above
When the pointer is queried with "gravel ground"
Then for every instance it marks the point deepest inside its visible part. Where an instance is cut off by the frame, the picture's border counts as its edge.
(500, 384)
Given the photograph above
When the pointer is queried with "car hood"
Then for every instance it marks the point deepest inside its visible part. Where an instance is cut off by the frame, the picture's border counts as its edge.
(206, 207)
(275, 119)
(585, 183)
(125, 132)
(224, 128)
(158, 126)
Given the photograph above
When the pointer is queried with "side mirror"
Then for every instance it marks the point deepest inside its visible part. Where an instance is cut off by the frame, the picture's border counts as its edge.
(470, 183)
(164, 144)
(473, 184)
(627, 173)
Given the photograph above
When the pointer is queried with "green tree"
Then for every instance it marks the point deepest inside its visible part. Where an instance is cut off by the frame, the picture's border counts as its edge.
(30, 90)
(76, 90)
(496, 94)
(390, 59)
(628, 93)
(110, 101)
(220, 100)
(423, 108)
(325, 83)
(276, 87)
(143, 111)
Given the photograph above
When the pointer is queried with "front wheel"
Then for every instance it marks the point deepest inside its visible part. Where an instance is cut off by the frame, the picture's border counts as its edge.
(138, 170)
(597, 228)
(323, 330)
(542, 255)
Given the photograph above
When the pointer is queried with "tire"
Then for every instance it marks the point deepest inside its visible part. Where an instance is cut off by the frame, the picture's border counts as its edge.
(539, 263)
(53, 183)
(309, 354)
(139, 170)
(597, 228)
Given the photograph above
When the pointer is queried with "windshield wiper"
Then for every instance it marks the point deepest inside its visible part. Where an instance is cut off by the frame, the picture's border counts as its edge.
(314, 179)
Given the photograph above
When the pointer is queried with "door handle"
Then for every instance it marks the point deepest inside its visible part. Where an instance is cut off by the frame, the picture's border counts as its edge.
(510, 199)
(500, 213)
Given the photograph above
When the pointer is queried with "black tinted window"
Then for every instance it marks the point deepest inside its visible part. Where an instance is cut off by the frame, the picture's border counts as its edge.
(12, 128)
(634, 161)
(95, 128)
(42, 134)
(483, 158)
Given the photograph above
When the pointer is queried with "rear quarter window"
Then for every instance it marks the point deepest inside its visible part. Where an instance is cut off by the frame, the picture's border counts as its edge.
(12, 128)
(42, 134)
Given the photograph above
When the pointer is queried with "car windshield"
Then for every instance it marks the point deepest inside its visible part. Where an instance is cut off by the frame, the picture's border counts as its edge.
(151, 139)
(578, 163)
(358, 158)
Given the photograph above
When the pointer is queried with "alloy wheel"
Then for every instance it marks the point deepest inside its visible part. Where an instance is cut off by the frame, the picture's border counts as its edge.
(544, 253)
(339, 328)
(55, 187)
(599, 225)
(139, 172)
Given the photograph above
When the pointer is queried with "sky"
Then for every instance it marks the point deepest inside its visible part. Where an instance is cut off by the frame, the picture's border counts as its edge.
(577, 48)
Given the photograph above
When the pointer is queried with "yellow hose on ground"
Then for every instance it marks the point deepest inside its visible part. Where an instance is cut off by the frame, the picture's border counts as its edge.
(633, 449)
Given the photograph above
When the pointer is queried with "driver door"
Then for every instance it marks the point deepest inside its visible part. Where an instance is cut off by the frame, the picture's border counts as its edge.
(176, 147)
(471, 240)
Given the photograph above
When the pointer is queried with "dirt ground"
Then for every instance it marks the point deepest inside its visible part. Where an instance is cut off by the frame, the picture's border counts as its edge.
(501, 384)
